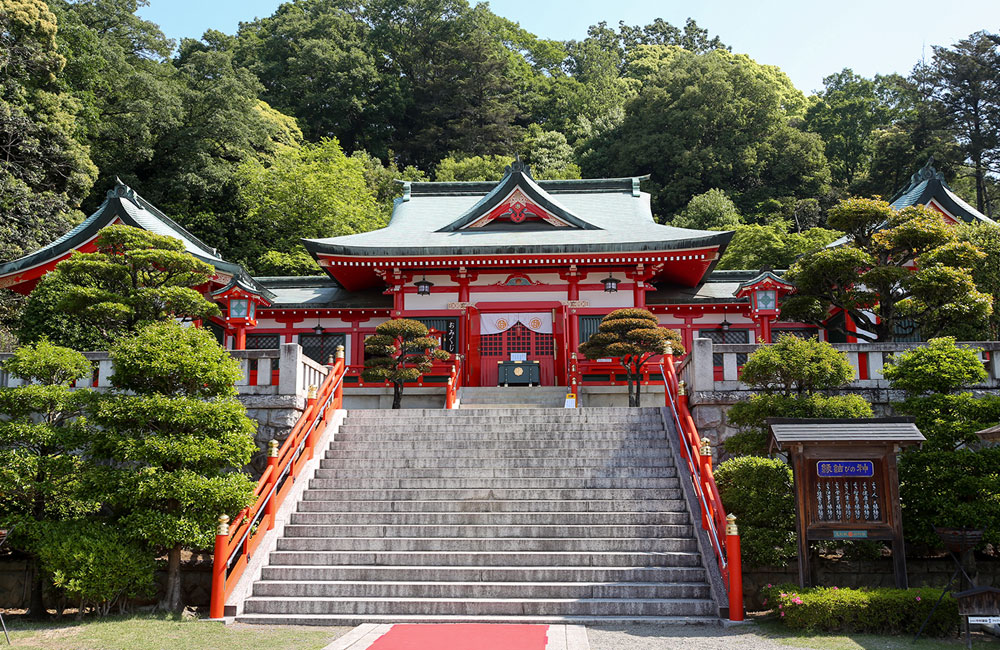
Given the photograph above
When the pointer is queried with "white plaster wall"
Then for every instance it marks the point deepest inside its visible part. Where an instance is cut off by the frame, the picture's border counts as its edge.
(516, 296)
(618, 300)
(413, 301)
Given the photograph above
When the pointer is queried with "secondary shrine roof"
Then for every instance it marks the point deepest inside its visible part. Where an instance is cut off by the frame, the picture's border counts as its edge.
(122, 205)
(575, 216)
(927, 185)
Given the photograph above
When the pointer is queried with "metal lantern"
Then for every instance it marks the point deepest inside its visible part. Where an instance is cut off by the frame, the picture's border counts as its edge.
(319, 329)
(423, 286)
(725, 324)
(610, 284)
(239, 308)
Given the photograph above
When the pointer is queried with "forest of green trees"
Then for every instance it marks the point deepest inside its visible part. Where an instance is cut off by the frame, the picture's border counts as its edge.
(298, 124)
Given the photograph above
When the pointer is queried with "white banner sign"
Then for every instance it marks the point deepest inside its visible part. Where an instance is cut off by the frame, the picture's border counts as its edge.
(540, 321)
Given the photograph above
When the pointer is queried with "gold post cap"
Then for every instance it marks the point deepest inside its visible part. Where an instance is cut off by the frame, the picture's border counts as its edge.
(669, 349)
(706, 447)
(731, 528)
(682, 388)
(312, 392)
(340, 351)
(272, 448)
(223, 524)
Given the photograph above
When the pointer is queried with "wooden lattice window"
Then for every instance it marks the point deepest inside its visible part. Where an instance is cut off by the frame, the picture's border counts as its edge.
(491, 345)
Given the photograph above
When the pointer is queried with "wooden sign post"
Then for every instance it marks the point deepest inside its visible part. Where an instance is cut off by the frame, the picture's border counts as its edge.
(846, 481)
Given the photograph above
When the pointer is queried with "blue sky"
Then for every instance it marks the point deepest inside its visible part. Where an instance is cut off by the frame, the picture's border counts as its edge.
(807, 39)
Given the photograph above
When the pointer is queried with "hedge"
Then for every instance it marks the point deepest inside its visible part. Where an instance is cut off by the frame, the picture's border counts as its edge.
(759, 492)
(877, 611)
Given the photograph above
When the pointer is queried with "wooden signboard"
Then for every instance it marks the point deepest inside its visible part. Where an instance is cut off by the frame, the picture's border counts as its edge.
(846, 481)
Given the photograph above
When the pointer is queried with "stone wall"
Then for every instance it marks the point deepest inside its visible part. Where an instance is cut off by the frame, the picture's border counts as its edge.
(275, 415)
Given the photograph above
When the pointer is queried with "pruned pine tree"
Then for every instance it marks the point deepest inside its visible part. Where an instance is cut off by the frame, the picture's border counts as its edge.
(398, 352)
(634, 336)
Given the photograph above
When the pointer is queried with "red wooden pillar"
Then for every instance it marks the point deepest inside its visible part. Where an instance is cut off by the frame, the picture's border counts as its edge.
(240, 338)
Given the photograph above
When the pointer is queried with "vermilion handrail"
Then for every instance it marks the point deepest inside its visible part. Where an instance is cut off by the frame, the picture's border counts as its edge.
(454, 383)
(235, 544)
(713, 515)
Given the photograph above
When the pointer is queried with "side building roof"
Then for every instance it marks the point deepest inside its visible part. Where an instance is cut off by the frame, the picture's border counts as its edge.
(927, 185)
(121, 205)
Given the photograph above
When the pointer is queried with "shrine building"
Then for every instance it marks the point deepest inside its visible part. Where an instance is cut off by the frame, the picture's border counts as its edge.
(519, 269)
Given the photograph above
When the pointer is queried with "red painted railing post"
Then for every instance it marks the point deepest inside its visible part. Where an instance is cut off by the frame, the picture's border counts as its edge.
(311, 436)
(449, 397)
(339, 368)
(271, 509)
(217, 604)
(705, 467)
(682, 401)
(735, 563)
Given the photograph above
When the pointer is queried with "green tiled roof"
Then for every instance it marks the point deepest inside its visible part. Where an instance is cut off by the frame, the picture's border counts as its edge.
(133, 210)
(927, 184)
(618, 218)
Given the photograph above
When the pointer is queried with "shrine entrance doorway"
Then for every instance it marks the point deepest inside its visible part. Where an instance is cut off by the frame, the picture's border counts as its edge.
(517, 343)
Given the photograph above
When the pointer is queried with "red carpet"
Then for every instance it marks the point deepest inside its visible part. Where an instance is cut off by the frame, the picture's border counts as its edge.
(463, 636)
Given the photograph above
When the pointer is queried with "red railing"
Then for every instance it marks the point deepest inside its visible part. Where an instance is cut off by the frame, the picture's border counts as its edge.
(454, 384)
(236, 543)
(697, 454)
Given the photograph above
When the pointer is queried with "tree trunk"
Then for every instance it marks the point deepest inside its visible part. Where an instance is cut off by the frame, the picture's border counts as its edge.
(36, 604)
(172, 598)
(638, 390)
(397, 395)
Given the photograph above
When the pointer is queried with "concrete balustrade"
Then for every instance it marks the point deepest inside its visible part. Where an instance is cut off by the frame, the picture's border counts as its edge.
(286, 371)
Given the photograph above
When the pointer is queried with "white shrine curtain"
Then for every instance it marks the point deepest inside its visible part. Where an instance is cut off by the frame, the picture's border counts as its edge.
(540, 321)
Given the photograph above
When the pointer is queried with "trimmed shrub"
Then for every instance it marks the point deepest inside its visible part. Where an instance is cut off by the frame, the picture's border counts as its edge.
(940, 366)
(95, 565)
(877, 611)
(759, 492)
(749, 416)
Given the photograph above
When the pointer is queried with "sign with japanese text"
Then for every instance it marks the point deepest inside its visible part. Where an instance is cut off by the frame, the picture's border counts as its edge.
(845, 468)
(850, 534)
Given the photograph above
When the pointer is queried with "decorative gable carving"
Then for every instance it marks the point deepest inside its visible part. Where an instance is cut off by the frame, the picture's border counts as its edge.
(517, 208)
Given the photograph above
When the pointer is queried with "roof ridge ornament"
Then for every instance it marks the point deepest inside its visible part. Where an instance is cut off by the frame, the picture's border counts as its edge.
(122, 191)
(518, 166)
(926, 173)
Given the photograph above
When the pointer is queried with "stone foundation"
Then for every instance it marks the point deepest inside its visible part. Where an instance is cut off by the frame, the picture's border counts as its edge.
(275, 416)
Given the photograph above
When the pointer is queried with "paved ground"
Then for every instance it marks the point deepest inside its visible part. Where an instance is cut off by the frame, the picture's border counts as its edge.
(688, 637)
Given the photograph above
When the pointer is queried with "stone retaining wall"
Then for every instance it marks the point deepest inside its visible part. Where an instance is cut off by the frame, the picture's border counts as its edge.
(275, 415)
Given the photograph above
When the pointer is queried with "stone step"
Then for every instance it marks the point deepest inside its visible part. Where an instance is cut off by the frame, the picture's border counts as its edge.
(496, 494)
(553, 529)
(313, 504)
(500, 409)
(504, 473)
(481, 416)
(504, 519)
(392, 436)
(489, 558)
(484, 606)
(488, 574)
(492, 544)
(495, 428)
(356, 619)
(583, 453)
(473, 590)
(496, 463)
(483, 447)
(359, 483)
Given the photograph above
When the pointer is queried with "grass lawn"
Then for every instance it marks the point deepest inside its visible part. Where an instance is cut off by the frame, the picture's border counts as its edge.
(163, 632)
(823, 641)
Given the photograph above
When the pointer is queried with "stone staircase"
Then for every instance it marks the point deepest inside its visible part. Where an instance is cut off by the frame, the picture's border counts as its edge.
(491, 515)
(512, 397)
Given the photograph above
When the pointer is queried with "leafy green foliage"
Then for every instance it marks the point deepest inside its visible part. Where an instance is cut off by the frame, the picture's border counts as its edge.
(986, 270)
(940, 366)
(872, 279)
(44, 171)
(712, 210)
(950, 489)
(703, 121)
(314, 191)
(772, 245)
(633, 336)
(175, 440)
(400, 351)
(878, 611)
(94, 564)
(135, 278)
(43, 474)
(47, 364)
(797, 365)
(750, 416)
(759, 492)
(790, 372)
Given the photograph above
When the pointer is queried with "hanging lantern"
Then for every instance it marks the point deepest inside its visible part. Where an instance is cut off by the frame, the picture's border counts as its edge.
(610, 284)
(319, 329)
(423, 286)
(725, 324)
